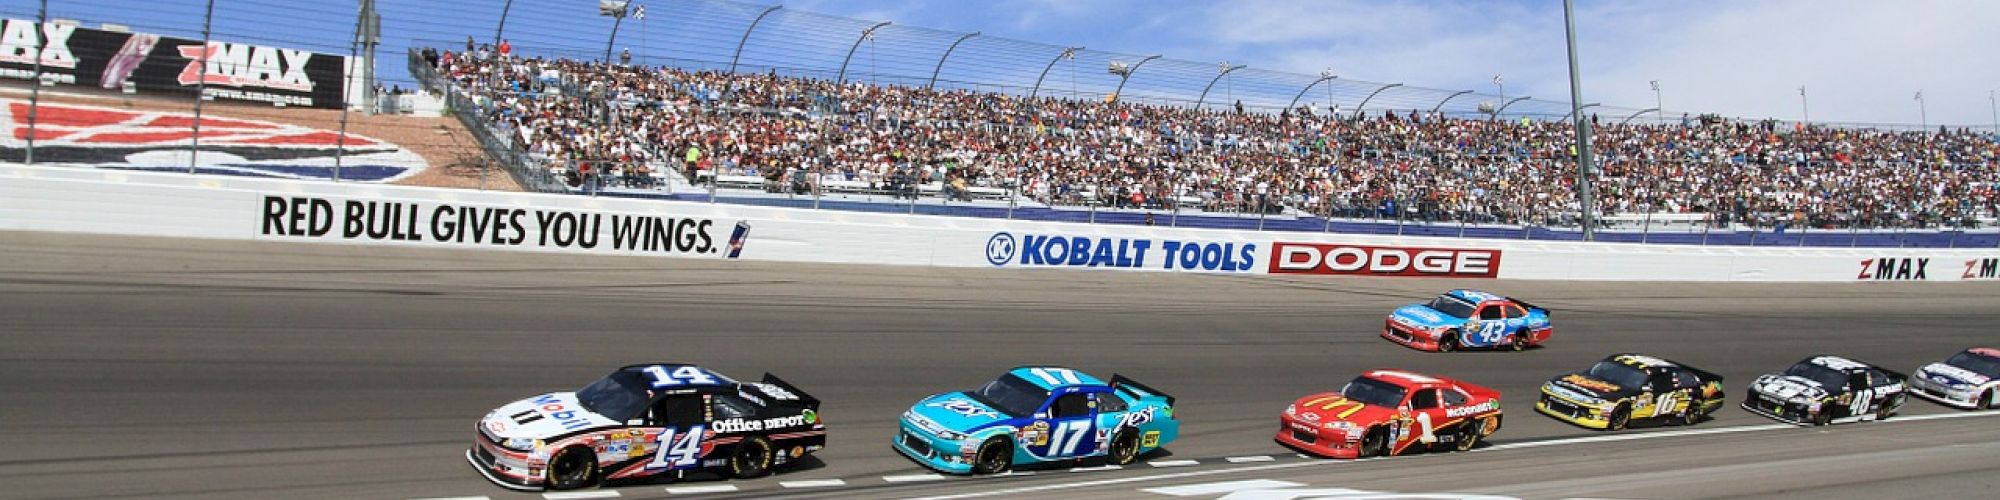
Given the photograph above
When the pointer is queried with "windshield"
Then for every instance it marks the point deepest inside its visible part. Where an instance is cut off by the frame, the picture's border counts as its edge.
(1374, 392)
(619, 396)
(1829, 378)
(1451, 306)
(1618, 374)
(1977, 364)
(1011, 395)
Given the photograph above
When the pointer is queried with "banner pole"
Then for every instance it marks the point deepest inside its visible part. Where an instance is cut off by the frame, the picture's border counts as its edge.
(201, 85)
(35, 86)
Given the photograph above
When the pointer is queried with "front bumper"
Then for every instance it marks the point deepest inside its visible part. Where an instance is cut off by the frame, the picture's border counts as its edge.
(1777, 410)
(1408, 336)
(1939, 393)
(1318, 441)
(1579, 414)
(931, 451)
(491, 467)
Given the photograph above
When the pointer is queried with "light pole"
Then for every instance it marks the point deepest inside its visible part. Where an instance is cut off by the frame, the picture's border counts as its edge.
(1993, 104)
(1923, 113)
(1502, 84)
(617, 9)
(1221, 71)
(1658, 115)
(1803, 108)
(1582, 124)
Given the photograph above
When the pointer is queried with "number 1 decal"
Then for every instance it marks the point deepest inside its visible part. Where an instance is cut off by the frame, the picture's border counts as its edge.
(678, 451)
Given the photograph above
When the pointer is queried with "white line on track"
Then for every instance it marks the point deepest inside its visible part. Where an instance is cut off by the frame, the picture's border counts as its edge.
(456, 498)
(912, 478)
(1203, 489)
(1173, 463)
(1291, 465)
(572, 495)
(1097, 468)
(812, 483)
(690, 490)
(1252, 458)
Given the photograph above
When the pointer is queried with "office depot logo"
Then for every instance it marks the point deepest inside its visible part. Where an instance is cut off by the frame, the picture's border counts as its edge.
(1361, 260)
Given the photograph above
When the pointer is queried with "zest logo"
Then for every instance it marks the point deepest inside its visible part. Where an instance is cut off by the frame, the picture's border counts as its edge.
(1310, 258)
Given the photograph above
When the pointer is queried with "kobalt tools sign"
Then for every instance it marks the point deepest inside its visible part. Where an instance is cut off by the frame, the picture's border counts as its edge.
(1363, 260)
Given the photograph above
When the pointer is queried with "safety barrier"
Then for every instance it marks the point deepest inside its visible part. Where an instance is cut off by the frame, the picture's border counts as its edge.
(178, 205)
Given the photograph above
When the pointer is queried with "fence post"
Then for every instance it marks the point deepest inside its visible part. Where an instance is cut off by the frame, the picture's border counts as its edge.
(1647, 227)
(35, 85)
(201, 85)
(1708, 223)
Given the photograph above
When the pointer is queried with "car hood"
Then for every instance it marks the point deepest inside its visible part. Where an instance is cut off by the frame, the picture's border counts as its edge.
(1948, 374)
(1329, 407)
(957, 411)
(1590, 387)
(1424, 316)
(1788, 388)
(542, 417)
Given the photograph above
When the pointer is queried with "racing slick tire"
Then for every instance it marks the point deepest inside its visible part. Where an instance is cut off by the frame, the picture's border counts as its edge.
(1448, 342)
(572, 468)
(1692, 415)
(1519, 342)
(1468, 435)
(1619, 418)
(752, 458)
(1824, 417)
(1985, 401)
(1374, 443)
(1888, 408)
(1124, 448)
(994, 456)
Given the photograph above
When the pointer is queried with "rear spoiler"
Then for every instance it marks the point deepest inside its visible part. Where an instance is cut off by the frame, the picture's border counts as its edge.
(1120, 382)
(1704, 374)
(797, 395)
(1524, 303)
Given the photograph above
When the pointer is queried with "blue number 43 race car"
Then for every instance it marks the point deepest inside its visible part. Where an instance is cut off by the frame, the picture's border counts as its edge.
(1468, 319)
(1037, 414)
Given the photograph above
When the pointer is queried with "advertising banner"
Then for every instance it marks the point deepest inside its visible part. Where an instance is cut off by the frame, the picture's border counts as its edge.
(74, 55)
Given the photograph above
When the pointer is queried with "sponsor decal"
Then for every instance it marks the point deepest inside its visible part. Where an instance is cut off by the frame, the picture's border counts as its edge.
(810, 416)
(1364, 260)
(1461, 411)
(1136, 418)
(614, 448)
(1894, 269)
(496, 426)
(1150, 440)
(735, 425)
(1036, 434)
(1643, 361)
(1838, 363)
(737, 238)
(550, 406)
(1579, 380)
(301, 217)
(103, 137)
(1981, 269)
(773, 390)
(965, 408)
(798, 451)
(150, 63)
(1003, 249)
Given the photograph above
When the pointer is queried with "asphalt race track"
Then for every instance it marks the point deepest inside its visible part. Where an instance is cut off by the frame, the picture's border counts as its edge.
(203, 369)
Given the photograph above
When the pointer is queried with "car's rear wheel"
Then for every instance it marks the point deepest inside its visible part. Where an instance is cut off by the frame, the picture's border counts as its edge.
(752, 458)
(1448, 342)
(1469, 434)
(1374, 443)
(572, 468)
(1824, 417)
(1124, 447)
(1693, 414)
(1520, 341)
(1620, 417)
(994, 456)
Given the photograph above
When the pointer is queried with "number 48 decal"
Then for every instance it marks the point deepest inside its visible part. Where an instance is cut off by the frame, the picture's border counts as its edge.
(678, 451)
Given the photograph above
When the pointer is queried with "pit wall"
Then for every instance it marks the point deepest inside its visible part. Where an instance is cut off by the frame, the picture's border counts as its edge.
(100, 201)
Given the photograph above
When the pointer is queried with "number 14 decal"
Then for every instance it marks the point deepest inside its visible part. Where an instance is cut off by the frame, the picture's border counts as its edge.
(678, 451)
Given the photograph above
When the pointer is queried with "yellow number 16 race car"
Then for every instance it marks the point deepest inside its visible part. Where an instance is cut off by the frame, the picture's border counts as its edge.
(1627, 387)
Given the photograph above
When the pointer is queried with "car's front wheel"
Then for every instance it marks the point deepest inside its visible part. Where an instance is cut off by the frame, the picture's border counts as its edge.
(1124, 448)
(1449, 341)
(1985, 401)
(1374, 443)
(994, 456)
(572, 468)
(752, 458)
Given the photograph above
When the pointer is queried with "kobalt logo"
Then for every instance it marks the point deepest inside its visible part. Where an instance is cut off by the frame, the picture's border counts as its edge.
(1000, 249)
(1304, 258)
(240, 65)
(1894, 268)
(19, 38)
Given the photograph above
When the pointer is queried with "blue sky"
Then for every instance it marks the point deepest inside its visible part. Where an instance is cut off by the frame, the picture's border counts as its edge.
(1861, 61)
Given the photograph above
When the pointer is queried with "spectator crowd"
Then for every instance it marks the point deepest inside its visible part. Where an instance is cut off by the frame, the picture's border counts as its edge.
(624, 122)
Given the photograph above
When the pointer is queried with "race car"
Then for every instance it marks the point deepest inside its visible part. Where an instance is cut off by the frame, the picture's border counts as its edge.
(1388, 412)
(1969, 380)
(645, 422)
(1826, 389)
(1623, 388)
(1468, 319)
(1035, 414)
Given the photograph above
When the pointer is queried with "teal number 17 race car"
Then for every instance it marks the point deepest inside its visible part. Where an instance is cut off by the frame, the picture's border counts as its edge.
(1037, 414)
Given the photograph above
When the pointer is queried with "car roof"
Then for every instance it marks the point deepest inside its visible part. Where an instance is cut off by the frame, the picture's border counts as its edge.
(1407, 379)
(1048, 372)
(1985, 351)
(1836, 363)
(1473, 296)
(671, 367)
(1641, 361)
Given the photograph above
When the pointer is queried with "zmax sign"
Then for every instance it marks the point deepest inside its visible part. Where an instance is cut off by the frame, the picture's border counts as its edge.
(1037, 250)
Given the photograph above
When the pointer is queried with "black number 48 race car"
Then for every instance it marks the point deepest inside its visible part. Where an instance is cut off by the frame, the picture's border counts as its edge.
(644, 422)
(1827, 389)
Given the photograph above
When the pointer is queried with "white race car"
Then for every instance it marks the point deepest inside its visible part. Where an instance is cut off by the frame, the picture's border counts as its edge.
(1969, 380)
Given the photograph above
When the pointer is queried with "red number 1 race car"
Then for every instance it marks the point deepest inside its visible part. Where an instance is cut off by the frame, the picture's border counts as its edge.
(1387, 412)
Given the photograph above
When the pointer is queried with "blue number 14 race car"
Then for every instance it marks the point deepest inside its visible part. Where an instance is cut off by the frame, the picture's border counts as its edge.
(1037, 414)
